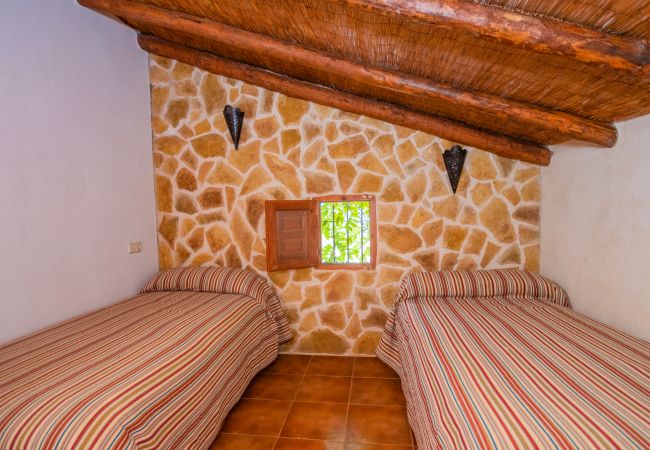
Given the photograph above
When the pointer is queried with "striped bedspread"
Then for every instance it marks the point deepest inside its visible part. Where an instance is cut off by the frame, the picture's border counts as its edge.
(159, 371)
(496, 359)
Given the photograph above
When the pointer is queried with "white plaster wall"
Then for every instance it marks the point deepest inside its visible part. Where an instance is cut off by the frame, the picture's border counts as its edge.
(596, 228)
(76, 181)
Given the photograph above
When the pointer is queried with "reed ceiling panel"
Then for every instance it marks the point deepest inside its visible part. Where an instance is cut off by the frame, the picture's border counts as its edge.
(624, 17)
(456, 57)
(474, 117)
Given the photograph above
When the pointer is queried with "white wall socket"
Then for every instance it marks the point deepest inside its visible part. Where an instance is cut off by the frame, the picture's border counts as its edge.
(135, 247)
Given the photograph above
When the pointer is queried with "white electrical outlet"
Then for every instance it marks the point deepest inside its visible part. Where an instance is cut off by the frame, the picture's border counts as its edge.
(135, 247)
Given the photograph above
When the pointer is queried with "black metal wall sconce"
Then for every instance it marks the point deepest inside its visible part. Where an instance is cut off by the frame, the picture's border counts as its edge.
(234, 119)
(454, 160)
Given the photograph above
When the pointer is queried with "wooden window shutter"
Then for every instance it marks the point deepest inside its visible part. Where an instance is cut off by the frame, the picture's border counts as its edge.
(291, 234)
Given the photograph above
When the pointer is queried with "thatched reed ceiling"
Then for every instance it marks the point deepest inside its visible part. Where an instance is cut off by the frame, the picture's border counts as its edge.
(509, 76)
(627, 17)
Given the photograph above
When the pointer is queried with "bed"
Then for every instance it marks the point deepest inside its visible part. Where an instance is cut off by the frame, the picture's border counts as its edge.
(497, 359)
(158, 371)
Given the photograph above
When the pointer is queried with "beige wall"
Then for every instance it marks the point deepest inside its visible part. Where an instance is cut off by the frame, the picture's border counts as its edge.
(596, 228)
(76, 183)
(211, 199)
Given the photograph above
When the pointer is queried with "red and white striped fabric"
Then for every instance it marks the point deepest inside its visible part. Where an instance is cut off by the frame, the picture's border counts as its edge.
(159, 371)
(226, 280)
(496, 359)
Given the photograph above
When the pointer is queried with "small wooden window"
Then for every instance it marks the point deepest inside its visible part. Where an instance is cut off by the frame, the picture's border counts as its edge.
(291, 234)
(326, 232)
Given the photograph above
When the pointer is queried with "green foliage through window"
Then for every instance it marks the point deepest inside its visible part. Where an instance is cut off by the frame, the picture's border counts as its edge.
(345, 232)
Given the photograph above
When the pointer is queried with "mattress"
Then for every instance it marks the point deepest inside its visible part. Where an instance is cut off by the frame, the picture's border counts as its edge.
(497, 359)
(161, 370)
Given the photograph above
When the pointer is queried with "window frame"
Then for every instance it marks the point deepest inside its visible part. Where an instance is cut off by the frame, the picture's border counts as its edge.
(372, 229)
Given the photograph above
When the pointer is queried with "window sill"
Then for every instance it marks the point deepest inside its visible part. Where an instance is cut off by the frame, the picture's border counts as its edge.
(345, 266)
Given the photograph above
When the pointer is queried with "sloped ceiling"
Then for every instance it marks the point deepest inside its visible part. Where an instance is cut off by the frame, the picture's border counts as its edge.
(507, 76)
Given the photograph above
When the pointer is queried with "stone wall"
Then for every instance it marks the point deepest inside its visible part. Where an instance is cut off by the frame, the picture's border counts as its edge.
(210, 199)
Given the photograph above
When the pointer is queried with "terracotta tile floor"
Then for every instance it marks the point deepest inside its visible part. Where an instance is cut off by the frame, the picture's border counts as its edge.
(320, 402)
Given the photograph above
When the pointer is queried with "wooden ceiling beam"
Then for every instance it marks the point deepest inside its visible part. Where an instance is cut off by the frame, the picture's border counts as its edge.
(630, 56)
(567, 125)
(443, 128)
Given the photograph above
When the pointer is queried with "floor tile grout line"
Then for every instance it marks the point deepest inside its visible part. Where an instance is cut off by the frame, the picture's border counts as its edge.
(347, 411)
(293, 401)
(349, 402)
(328, 376)
(317, 440)
(377, 378)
